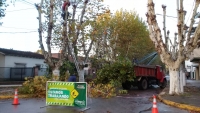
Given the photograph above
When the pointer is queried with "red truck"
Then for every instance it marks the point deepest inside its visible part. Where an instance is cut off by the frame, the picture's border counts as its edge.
(147, 75)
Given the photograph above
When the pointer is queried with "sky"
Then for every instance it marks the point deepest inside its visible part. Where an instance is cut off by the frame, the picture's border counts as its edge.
(19, 28)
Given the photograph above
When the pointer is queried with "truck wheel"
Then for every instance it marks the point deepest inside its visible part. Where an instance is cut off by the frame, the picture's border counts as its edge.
(164, 84)
(143, 84)
(126, 85)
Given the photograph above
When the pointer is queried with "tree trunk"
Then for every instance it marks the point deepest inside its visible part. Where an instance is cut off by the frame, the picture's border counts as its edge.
(56, 74)
(174, 82)
(181, 81)
(81, 75)
(184, 79)
(182, 71)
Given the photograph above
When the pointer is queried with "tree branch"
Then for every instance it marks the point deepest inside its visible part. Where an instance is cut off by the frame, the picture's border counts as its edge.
(155, 33)
(80, 23)
(65, 40)
(50, 28)
(46, 56)
(192, 20)
(88, 51)
(164, 27)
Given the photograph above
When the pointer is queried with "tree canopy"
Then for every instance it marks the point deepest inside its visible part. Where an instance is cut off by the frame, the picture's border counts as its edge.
(122, 34)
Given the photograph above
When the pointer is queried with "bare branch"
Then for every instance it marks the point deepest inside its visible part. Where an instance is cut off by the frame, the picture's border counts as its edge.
(155, 33)
(65, 40)
(50, 28)
(180, 25)
(164, 21)
(192, 20)
(80, 23)
(46, 56)
(88, 51)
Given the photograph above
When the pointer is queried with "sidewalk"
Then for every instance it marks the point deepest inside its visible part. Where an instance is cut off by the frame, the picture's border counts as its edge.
(190, 100)
(14, 85)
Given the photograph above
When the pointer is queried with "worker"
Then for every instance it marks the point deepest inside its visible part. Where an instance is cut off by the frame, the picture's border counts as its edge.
(72, 78)
(65, 3)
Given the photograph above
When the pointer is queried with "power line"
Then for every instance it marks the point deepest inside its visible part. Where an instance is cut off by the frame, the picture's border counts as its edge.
(20, 10)
(190, 11)
(16, 28)
(18, 32)
(167, 16)
(30, 1)
(27, 3)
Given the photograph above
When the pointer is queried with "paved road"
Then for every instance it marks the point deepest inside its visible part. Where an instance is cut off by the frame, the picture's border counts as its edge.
(136, 102)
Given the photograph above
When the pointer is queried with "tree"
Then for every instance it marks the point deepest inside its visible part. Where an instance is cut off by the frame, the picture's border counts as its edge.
(2, 8)
(62, 34)
(39, 51)
(122, 34)
(182, 47)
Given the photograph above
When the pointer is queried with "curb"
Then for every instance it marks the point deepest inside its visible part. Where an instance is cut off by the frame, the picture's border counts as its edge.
(178, 105)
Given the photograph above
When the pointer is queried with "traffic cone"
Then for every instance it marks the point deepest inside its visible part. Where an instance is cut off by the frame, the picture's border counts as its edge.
(16, 101)
(154, 108)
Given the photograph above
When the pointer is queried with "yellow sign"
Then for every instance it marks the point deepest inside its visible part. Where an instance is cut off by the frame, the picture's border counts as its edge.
(74, 93)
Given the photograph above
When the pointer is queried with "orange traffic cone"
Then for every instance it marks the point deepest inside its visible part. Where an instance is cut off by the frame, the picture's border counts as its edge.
(16, 101)
(154, 109)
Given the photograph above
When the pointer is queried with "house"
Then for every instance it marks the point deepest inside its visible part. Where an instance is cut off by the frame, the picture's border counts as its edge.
(193, 65)
(15, 65)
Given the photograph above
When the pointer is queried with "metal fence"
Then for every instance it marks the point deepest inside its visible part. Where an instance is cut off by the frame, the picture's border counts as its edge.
(18, 74)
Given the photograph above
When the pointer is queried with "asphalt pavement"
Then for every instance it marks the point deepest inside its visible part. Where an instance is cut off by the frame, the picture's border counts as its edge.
(137, 102)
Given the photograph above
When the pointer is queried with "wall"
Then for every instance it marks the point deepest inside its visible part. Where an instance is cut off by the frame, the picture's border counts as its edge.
(190, 65)
(30, 62)
(2, 63)
(195, 54)
(2, 60)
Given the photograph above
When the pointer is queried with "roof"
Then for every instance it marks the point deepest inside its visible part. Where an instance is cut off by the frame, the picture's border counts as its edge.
(18, 53)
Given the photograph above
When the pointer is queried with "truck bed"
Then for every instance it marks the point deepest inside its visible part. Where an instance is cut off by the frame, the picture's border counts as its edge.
(144, 70)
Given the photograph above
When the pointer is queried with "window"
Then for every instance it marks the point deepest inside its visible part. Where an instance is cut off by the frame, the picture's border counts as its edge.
(38, 66)
(20, 68)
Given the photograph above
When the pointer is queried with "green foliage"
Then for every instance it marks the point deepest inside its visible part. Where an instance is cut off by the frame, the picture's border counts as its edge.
(98, 63)
(67, 65)
(35, 86)
(116, 73)
(3, 5)
(123, 34)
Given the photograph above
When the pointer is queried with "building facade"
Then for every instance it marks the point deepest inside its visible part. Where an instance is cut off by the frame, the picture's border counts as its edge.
(193, 64)
(16, 65)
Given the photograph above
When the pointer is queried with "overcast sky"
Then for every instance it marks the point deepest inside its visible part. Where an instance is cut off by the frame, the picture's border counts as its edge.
(19, 29)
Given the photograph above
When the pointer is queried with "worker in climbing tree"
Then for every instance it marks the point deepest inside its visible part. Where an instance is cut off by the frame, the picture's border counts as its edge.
(65, 3)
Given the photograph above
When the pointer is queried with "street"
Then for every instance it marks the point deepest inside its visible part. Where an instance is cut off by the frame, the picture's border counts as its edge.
(136, 102)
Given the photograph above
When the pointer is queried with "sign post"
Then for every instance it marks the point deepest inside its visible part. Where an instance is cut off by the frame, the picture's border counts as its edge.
(66, 94)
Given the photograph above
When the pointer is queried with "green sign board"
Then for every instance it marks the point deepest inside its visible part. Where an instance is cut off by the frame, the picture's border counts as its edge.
(66, 93)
